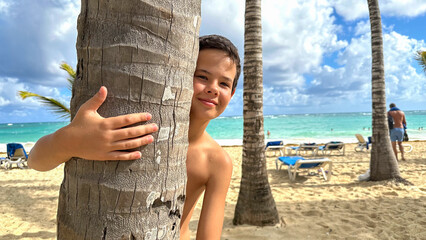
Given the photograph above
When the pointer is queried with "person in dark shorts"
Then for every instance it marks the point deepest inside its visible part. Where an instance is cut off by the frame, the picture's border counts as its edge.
(397, 129)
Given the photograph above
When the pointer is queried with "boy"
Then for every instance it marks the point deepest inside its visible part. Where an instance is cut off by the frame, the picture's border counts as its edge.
(209, 168)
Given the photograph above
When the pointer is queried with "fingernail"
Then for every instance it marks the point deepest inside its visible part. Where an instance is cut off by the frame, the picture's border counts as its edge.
(148, 116)
(154, 127)
(150, 139)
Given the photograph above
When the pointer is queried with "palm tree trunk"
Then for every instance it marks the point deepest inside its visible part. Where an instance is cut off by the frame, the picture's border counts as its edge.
(255, 204)
(383, 164)
(145, 53)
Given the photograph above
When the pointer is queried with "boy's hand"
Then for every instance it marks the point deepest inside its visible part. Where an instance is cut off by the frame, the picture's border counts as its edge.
(93, 137)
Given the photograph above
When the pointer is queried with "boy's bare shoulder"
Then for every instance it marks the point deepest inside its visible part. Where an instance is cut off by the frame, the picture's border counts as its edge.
(217, 156)
(208, 155)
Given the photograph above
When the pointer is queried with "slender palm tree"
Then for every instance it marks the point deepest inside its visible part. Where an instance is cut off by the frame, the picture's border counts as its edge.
(255, 205)
(383, 164)
(421, 58)
(55, 105)
(145, 53)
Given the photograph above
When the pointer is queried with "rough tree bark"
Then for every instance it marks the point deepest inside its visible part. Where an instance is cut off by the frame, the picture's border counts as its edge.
(383, 164)
(145, 53)
(255, 205)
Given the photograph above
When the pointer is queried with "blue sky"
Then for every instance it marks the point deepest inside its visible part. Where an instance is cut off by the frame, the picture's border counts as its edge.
(316, 53)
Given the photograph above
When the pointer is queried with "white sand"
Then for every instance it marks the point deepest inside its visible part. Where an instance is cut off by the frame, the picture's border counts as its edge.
(309, 208)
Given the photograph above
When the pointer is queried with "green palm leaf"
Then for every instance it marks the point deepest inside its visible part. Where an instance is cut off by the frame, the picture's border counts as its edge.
(71, 73)
(421, 58)
(53, 104)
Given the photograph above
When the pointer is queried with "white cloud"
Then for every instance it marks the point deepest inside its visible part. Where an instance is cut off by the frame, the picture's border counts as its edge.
(354, 9)
(69, 15)
(362, 27)
(4, 101)
(297, 35)
(4, 7)
(406, 84)
(351, 9)
(352, 81)
(8, 91)
(406, 8)
(311, 58)
(35, 35)
(10, 100)
(226, 18)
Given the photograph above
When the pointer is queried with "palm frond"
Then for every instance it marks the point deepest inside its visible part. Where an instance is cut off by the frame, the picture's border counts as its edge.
(53, 104)
(71, 72)
(421, 59)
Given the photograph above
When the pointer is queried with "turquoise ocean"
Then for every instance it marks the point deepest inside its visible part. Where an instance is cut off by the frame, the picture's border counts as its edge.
(294, 128)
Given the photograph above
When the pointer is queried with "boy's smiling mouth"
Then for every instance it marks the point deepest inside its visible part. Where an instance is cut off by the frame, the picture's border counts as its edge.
(208, 102)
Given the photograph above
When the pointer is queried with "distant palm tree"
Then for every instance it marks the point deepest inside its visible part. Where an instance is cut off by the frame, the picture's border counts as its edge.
(56, 106)
(421, 58)
(383, 164)
(255, 205)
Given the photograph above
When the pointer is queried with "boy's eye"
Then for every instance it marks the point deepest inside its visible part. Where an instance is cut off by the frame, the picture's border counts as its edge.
(201, 77)
(224, 84)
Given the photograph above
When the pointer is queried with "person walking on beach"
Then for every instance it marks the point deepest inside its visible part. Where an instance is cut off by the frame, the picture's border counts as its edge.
(209, 167)
(397, 129)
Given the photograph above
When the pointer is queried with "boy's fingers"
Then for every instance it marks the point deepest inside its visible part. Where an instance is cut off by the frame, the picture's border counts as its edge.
(117, 155)
(133, 132)
(129, 119)
(96, 101)
(133, 143)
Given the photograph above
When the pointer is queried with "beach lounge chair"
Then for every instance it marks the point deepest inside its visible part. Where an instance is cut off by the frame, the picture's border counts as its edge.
(296, 163)
(362, 144)
(16, 154)
(329, 147)
(274, 146)
(303, 148)
(3, 161)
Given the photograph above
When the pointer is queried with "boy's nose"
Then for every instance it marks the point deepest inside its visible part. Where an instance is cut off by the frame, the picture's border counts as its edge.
(212, 89)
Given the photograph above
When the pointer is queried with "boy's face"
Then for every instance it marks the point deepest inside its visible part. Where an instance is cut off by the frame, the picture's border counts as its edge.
(213, 78)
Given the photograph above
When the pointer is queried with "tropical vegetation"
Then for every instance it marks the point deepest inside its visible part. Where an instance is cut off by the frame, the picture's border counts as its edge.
(421, 59)
(56, 106)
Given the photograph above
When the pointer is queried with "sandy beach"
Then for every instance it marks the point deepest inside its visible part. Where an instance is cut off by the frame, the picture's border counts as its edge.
(309, 208)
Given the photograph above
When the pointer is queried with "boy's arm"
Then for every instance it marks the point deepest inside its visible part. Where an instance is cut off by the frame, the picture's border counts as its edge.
(212, 212)
(91, 136)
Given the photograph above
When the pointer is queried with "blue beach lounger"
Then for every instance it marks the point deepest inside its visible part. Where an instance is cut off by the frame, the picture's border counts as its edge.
(297, 162)
(16, 154)
(275, 146)
(304, 147)
(329, 147)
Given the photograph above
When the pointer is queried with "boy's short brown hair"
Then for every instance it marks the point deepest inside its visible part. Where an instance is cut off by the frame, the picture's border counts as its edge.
(224, 44)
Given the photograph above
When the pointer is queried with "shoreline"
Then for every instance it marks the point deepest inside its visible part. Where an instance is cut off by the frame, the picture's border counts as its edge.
(239, 142)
